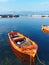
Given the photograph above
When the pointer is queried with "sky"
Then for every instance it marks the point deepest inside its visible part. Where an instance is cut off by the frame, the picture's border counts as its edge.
(24, 5)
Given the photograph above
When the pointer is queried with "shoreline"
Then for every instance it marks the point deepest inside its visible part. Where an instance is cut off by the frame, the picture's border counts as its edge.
(24, 15)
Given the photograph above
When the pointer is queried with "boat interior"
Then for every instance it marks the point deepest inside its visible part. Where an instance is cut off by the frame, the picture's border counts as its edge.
(22, 42)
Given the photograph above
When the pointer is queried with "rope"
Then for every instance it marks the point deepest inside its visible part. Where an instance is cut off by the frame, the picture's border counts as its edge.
(40, 60)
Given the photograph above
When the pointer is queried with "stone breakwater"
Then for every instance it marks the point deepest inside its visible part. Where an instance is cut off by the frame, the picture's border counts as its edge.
(8, 16)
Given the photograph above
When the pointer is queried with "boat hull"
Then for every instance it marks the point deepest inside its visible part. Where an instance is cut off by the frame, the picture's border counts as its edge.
(46, 31)
(28, 59)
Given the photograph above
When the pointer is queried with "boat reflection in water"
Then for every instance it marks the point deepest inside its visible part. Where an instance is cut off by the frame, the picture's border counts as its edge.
(24, 48)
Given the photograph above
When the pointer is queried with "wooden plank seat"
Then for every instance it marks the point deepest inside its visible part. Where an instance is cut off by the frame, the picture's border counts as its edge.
(18, 38)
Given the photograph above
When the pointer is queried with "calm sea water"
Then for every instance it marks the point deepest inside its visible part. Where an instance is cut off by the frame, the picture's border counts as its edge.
(30, 27)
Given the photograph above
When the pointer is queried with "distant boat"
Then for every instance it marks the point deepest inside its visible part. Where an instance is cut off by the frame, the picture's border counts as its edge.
(45, 28)
(23, 47)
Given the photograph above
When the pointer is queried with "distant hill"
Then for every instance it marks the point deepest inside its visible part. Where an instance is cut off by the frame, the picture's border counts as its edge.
(26, 12)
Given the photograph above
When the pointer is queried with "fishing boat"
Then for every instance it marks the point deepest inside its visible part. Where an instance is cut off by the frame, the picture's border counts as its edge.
(45, 28)
(24, 48)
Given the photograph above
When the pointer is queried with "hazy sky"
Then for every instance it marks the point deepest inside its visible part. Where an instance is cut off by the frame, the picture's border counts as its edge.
(24, 5)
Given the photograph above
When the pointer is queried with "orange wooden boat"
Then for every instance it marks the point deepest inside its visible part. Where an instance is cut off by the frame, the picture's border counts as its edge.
(45, 28)
(24, 48)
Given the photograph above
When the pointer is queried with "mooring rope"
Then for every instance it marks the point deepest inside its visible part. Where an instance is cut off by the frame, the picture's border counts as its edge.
(40, 60)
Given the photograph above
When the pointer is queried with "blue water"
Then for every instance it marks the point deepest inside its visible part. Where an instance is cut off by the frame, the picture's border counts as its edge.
(30, 27)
